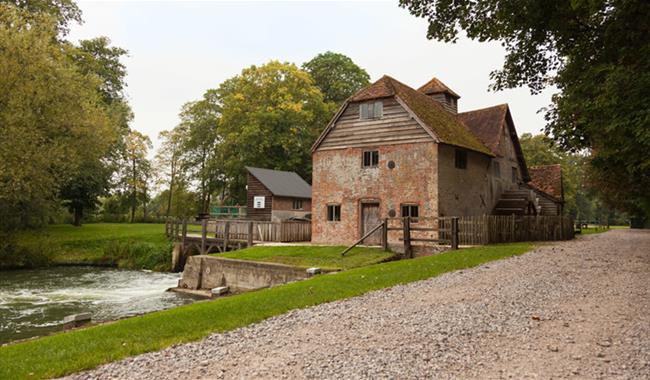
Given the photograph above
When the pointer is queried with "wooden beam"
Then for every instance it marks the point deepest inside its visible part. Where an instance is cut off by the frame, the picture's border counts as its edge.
(362, 238)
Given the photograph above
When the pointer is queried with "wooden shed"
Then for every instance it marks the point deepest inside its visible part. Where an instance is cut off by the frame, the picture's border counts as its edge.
(277, 195)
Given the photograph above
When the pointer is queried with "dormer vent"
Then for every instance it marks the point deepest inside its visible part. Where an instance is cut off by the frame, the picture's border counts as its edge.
(439, 92)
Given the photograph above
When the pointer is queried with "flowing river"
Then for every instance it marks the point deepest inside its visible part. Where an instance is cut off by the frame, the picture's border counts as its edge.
(34, 302)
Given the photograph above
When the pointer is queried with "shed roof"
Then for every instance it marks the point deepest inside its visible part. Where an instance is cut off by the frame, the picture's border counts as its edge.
(438, 122)
(548, 179)
(435, 86)
(281, 183)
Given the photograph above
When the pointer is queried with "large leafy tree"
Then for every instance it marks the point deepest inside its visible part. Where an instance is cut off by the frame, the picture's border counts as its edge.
(61, 12)
(337, 76)
(596, 54)
(270, 116)
(83, 187)
(200, 134)
(52, 119)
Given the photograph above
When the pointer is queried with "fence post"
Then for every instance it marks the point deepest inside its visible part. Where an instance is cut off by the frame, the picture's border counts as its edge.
(184, 232)
(406, 226)
(176, 227)
(226, 235)
(204, 234)
(384, 235)
(250, 234)
(167, 228)
(454, 233)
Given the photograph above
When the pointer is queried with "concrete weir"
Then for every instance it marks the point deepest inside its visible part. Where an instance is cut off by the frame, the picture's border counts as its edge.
(203, 273)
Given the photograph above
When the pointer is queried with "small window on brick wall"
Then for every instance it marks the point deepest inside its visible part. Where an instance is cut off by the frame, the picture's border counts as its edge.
(297, 204)
(411, 210)
(461, 159)
(333, 213)
(514, 174)
(370, 158)
(496, 168)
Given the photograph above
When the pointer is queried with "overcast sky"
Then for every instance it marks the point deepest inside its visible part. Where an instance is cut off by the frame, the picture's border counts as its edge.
(177, 50)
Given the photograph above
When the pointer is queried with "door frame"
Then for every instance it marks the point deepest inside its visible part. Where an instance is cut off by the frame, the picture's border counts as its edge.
(366, 201)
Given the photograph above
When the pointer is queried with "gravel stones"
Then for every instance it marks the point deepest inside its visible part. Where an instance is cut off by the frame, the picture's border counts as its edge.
(572, 309)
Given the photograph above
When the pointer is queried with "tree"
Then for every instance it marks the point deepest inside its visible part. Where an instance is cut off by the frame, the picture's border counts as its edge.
(168, 161)
(200, 135)
(269, 117)
(52, 119)
(596, 54)
(337, 76)
(136, 169)
(83, 187)
(62, 12)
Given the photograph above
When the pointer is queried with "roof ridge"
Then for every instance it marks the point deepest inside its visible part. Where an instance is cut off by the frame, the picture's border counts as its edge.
(501, 105)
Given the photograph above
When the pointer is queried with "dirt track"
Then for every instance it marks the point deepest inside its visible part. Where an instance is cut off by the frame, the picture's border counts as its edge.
(578, 309)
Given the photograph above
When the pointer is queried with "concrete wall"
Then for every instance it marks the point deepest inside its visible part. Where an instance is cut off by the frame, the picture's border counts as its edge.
(208, 272)
(339, 178)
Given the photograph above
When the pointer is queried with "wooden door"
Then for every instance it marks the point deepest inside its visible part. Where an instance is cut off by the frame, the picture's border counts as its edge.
(369, 220)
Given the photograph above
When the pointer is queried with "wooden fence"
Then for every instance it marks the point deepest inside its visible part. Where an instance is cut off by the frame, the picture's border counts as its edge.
(240, 230)
(489, 229)
(289, 231)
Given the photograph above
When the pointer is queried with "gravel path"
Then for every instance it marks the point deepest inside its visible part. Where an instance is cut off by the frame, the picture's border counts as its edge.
(578, 309)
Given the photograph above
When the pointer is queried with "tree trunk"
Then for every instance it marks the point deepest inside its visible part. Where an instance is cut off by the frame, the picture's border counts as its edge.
(133, 198)
(77, 215)
(171, 190)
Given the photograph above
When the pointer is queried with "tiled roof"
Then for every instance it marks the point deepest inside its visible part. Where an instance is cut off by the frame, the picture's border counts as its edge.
(487, 124)
(444, 125)
(548, 179)
(281, 183)
(435, 86)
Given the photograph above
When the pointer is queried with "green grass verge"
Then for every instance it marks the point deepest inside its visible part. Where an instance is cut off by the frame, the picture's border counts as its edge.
(73, 351)
(136, 246)
(326, 257)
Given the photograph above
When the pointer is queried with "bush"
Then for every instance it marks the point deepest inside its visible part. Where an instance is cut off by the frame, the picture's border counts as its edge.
(139, 255)
(13, 256)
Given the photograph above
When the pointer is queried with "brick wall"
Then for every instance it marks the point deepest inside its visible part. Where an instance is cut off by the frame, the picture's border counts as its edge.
(339, 178)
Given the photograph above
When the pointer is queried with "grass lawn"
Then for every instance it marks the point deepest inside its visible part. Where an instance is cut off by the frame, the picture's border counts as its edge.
(326, 257)
(130, 245)
(596, 230)
(73, 351)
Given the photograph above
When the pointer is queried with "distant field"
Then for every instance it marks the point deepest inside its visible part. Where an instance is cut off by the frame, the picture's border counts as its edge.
(138, 246)
(326, 257)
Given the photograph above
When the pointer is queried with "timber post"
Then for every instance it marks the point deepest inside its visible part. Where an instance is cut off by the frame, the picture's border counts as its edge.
(249, 237)
(183, 236)
(406, 226)
(167, 228)
(176, 227)
(204, 235)
(454, 233)
(384, 235)
(226, 235)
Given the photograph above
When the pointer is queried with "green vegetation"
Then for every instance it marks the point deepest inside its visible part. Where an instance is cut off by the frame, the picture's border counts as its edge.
(326, 257)
(597, 230)
(135, 246)
(597, 65)
(73, 351)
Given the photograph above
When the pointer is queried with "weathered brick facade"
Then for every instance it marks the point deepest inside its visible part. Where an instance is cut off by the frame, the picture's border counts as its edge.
(339, 178)
(417, 140)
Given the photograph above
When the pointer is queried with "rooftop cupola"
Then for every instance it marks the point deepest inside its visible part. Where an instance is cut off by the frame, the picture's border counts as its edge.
(442, 94)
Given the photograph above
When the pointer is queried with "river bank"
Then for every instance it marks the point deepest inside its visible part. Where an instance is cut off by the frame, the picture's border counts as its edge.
(34, 302)
(122, 245)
